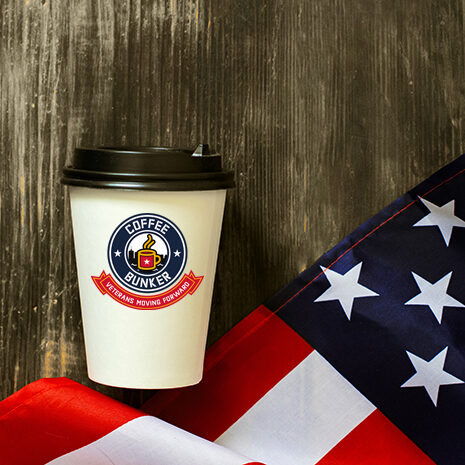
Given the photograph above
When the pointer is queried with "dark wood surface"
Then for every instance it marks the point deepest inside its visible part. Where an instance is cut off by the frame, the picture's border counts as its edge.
(326, 111)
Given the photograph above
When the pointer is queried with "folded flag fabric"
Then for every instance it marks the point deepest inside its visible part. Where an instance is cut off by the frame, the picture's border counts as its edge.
(60, 422)
(360, 359)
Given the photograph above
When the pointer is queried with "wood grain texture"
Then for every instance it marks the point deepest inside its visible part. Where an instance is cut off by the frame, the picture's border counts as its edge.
(327, 110)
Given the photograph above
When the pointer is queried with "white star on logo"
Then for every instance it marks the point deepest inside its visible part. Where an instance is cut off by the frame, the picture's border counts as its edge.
(345, 288)
(146, 262)
(177, 253)
(430, 374)
(434, 295)
(117, 253)
(442, 217)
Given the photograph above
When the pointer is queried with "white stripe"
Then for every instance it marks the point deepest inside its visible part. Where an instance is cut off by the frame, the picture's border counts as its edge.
(302, 418)
(150, 441)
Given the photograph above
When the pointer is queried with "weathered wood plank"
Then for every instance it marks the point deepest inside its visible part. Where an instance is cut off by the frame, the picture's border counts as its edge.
(326, 110)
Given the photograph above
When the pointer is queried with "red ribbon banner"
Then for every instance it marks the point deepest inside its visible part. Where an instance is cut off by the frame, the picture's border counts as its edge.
(107, 285)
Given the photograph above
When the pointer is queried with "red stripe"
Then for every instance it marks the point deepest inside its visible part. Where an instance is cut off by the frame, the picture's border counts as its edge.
(376, 441)
(52, 417)
(243, 366)
(240, 369)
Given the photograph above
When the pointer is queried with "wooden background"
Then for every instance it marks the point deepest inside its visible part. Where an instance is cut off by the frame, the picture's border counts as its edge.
(327, 110)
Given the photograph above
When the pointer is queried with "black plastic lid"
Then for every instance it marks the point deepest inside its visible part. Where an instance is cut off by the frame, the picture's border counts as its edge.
(147, 168)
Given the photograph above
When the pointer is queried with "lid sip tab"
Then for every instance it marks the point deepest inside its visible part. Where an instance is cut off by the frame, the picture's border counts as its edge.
(201, 150)
(147, 168)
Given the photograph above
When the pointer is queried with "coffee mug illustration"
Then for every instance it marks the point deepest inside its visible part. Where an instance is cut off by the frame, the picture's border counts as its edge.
(148, 259)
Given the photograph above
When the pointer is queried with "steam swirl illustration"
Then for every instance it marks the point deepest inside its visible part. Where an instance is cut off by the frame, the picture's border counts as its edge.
(149, 242)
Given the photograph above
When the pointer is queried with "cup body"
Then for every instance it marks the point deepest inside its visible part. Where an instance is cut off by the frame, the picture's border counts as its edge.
(146, 264)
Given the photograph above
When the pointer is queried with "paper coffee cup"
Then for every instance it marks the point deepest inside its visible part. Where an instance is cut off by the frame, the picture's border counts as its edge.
(147, 225)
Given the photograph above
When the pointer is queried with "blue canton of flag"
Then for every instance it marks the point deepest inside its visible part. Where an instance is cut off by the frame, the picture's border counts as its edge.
(386, 307)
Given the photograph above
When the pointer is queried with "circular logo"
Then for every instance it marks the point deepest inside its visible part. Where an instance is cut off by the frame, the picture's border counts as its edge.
(147, 253)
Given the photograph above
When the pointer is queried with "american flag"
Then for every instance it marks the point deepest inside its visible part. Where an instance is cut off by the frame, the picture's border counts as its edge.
(361, 358)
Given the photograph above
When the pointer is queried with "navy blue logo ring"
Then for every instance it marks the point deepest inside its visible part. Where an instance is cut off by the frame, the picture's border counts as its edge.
(147, 253)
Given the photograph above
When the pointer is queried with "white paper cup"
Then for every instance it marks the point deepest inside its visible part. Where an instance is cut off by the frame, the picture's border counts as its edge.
(146, 264)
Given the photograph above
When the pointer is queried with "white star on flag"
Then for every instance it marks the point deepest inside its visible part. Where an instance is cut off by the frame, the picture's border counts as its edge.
(431, 374)
(442, 217)
(434, 295)
(345, 288)
(117, 253)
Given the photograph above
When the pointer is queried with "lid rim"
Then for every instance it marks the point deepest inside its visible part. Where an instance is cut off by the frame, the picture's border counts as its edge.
(181, 185)
(148, 168)
(76, 173)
